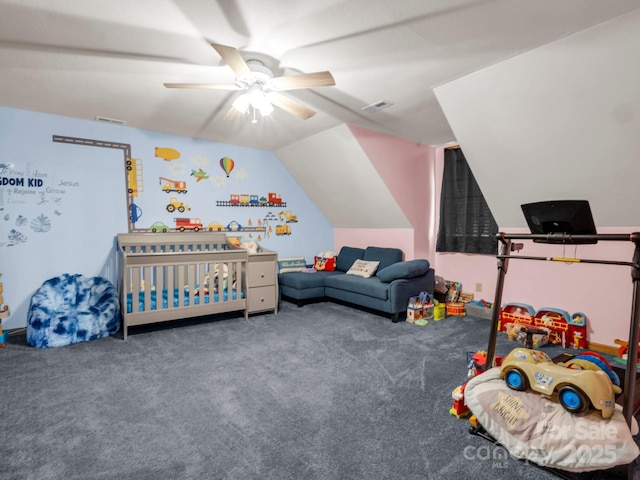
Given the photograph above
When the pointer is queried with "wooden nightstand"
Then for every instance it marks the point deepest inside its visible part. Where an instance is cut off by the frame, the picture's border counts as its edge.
(262, 277)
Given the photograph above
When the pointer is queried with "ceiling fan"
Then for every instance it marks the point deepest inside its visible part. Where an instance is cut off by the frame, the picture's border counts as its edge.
(261, 89)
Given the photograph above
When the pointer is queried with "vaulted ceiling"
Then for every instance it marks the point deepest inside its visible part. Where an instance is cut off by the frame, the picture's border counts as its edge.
(110, 59)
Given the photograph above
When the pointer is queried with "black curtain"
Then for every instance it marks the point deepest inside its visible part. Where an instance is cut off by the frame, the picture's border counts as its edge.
(466, 223)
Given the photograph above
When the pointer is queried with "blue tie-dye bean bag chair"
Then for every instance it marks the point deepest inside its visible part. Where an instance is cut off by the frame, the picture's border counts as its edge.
(72, 309)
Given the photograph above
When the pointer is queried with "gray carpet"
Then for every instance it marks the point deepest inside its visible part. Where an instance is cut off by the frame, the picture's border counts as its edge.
(320, 392)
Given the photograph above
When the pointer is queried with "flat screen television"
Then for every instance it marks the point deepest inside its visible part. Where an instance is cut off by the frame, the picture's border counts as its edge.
(562, 219)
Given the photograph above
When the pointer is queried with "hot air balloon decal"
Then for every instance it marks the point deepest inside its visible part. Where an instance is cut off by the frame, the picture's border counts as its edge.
(227, 165)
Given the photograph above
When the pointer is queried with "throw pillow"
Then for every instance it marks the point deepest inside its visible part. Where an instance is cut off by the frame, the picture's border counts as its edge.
(324, 264)
(293, 264)
(408, 269)
(362, 268)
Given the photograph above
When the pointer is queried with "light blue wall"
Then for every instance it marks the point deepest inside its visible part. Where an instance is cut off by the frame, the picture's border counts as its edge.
(62, 204)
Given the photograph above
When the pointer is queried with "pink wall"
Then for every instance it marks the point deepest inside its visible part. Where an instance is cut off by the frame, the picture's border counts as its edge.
(603, 293)
(407, 168)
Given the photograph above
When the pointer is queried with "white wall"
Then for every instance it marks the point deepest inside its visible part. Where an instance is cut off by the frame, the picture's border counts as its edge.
(560, 122)
(339, 177)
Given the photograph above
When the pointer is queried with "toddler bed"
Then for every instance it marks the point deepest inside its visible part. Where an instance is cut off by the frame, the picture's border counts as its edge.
(170, 276)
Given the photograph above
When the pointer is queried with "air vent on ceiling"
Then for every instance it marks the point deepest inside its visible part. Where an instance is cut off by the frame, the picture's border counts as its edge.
(113, 121)
(377, 106)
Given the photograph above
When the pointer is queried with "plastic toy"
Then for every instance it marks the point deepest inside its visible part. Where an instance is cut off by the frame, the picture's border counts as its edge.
(563, 329)
(476, 362)
(459, 408)
(476, 365)
(582, 381)
(4, 313)
(622, 352)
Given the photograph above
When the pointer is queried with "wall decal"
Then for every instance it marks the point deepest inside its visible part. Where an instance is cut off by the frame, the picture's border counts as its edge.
(133, 169)
(177, 186)
(30, 189)
(199, 174)
(250, 200)
(167, 154)
(227, 165)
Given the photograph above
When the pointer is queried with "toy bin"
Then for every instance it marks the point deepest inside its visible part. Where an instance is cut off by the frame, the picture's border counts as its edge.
(479, 311)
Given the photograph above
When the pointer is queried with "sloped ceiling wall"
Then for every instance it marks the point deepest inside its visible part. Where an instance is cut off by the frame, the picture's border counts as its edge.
(558, 122)
(340, 179)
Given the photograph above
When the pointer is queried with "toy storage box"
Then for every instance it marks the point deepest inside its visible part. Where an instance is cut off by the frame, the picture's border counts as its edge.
(478, 311)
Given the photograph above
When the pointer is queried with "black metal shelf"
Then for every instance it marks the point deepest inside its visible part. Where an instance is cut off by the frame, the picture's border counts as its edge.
(504, 256)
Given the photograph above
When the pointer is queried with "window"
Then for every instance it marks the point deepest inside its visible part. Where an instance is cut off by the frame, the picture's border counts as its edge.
(466, 223)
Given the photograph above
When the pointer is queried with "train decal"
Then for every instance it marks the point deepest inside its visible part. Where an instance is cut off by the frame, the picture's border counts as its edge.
(246, 200)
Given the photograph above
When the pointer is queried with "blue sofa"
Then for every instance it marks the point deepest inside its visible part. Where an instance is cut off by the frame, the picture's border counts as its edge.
(388, 290)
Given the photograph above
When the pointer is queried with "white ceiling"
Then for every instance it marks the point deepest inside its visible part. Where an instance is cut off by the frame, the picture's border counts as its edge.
(559, 122)
(87, 58)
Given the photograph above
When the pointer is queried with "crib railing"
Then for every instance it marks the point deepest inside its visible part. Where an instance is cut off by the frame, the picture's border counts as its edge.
(179, 275)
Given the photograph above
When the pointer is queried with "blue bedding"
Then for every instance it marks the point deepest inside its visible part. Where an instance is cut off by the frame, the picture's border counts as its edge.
(165, 299)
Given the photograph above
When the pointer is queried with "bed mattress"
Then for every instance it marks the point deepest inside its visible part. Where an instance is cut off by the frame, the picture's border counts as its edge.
(206, 298)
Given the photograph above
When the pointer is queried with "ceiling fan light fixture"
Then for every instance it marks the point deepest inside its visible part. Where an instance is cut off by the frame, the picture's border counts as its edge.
(261, 90)
(266, 109)
(256, 96)
(242, 103)
(259, 101)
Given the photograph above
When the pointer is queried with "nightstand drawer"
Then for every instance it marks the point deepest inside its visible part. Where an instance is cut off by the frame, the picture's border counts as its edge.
(262, 298)
(262, 273)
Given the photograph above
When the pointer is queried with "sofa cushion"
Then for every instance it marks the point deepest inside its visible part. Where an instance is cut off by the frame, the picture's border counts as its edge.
(386, 256)
(302, 280)
(347, 256)
(371, 287)
(408, 269)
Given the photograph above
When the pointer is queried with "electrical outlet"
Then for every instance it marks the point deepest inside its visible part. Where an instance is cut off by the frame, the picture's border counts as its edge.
(478, 287)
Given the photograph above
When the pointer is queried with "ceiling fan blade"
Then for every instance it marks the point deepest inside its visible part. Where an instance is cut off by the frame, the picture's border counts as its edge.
(291, 106)
(233, 114)
(211, 86)
(232, 57)
(304, 80)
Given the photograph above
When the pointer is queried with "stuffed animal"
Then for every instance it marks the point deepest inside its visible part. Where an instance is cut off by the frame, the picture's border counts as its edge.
(324, 264)
(251, 246)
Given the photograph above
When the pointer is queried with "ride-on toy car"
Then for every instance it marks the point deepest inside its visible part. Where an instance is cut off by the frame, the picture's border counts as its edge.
(578, 383)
